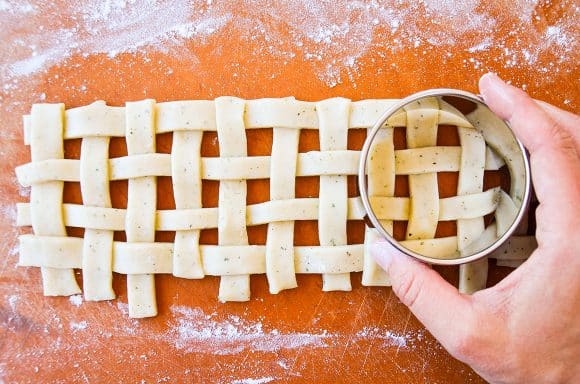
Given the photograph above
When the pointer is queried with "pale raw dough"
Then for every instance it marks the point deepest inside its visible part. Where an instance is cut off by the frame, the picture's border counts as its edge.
(141, 206)
(46, 142)
(233, 259)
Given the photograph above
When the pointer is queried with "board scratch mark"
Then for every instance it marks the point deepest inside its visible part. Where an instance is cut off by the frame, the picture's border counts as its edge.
(381, 317)
(352, 330)
(298, 352)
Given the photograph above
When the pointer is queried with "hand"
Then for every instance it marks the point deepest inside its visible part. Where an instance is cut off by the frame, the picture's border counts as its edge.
(526, 328)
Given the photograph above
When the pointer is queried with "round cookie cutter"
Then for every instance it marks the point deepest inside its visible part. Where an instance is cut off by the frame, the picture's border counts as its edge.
(525, 179)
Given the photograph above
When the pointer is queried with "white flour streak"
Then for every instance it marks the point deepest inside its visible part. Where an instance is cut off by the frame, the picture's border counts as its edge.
(482, 46)
(9, 213)
(12, 300)
(261, 380)
(389, 338)
(123, 307)
(10, 245)
(76, 300)
(192, 330)
(16, 7)
(22, 191)
(114, 27)
(80, 326)
(557, 35)
(195, 331)
(462, 16)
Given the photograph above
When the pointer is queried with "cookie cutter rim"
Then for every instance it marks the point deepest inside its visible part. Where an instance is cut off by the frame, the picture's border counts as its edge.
(437, 92)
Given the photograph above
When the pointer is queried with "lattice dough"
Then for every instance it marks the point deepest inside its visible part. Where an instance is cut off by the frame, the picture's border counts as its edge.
(140, 257)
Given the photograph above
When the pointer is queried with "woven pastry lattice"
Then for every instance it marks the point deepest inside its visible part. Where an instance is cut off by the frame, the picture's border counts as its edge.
(140, 257)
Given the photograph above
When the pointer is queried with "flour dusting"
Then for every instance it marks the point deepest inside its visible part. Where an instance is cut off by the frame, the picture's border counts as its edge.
(78, 326)
(10, 245)
(8, 212)
(112, 28)
(390, 338)
(22, 191)
(261, 380)
(76, 300)
(329, 37)
(195, 331)
(12, 300)
(16, 7)
(192, 330)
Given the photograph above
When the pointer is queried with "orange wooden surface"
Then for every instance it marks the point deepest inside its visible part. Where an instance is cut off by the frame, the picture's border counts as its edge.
(252, 49)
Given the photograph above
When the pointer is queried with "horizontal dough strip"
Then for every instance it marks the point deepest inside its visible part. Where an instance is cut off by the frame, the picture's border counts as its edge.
(386, 208)
(100, 120)
(113, 219)
(450, 208)
(313, 163)
(139, 258)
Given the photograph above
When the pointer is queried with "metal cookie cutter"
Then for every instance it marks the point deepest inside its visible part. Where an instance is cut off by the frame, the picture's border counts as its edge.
(497, 134)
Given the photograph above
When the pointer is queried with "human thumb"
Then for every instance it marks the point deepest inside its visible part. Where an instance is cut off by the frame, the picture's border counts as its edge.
(435, 302)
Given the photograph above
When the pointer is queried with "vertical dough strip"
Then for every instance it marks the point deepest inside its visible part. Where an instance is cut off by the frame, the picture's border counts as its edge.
(141, 205)
(280, 269)
(186, 179)
(333, 117)
(98, 245)
(381, 166)
(472, 276)
(46, 142)
(232, 194)
(422, 124)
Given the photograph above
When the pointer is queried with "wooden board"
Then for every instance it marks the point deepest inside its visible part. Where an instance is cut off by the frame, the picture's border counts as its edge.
(76, 54)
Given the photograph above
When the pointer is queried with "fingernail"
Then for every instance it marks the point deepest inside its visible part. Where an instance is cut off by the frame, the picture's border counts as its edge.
(494, 91)
(383, 253)
(488, 82)
(490, 76)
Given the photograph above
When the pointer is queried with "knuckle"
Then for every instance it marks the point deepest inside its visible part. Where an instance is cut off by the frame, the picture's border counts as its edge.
(408, 289)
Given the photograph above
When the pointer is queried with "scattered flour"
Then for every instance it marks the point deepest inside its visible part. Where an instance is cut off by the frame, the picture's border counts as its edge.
(112, 27)
(16, 7)
(10, 245)
(283, 364)
(123, 307)
(330, 37)
(195, 331)
(192, 330)
(81, 325)
(481, 46)
(12, 300)
(22, 191)
(76, 300)
(8, 212)
(405, 340)
(261, 380)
